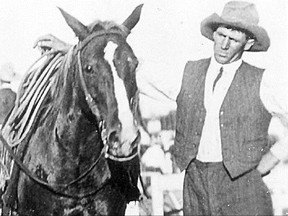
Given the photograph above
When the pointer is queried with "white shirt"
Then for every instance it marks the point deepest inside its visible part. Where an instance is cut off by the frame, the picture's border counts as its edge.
(210, 149)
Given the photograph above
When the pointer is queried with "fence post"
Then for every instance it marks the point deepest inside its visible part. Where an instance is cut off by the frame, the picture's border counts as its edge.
(157, 194)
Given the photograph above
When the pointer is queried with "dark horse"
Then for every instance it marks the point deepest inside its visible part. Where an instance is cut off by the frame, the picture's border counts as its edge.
(81, 156)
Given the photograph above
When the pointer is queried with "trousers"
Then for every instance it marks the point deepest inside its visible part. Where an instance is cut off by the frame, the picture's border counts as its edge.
(209, 190)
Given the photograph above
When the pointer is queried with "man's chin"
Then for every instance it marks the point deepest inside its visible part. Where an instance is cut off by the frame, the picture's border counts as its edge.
(222, 60)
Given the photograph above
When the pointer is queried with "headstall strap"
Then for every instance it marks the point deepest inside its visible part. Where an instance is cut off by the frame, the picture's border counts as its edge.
(91, 103)
(89, 99)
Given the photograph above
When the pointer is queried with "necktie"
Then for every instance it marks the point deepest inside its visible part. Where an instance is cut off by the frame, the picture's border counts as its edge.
(218, 77)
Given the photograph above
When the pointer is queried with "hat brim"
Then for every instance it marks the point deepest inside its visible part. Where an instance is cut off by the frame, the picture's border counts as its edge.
(262, 40)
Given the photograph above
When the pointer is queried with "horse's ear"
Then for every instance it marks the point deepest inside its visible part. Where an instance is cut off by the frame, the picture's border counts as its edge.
(79, 29)
(133, 19)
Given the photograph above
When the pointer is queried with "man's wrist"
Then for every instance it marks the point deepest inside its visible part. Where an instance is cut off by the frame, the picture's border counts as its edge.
(267, 163)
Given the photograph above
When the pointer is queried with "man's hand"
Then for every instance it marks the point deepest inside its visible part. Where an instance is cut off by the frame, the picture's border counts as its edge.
(49, 42)
(267, 163)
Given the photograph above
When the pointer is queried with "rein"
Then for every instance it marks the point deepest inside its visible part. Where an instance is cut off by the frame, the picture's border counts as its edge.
(45, 184)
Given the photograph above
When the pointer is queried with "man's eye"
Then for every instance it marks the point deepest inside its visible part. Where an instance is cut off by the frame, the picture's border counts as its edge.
(220, 35)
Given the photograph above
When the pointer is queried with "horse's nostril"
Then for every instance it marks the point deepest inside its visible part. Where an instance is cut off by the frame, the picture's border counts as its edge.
(113, 137)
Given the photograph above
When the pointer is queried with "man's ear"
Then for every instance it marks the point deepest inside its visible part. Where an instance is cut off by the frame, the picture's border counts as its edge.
(250, 42)
(213, 36)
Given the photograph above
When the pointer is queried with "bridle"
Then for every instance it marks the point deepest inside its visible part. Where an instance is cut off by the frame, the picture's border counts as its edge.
(92, 104)
(59, 188)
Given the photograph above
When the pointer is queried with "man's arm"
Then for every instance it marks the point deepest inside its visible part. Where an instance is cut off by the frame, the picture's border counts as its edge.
(274, 97)
(49, 42)
(267, 163)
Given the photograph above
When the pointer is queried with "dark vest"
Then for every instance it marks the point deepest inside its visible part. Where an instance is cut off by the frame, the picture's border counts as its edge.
(244, 120)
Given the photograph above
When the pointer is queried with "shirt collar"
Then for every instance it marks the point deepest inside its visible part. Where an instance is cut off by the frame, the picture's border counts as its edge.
(226, 67)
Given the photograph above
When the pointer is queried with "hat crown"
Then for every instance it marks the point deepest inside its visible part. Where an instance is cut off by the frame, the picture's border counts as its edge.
(242, 15)
(240, 11)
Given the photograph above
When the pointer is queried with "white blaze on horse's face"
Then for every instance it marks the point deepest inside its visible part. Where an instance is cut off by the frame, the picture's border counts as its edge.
(129, 130)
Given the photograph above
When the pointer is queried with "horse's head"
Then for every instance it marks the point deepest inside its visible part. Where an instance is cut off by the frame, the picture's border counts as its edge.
(105, 70)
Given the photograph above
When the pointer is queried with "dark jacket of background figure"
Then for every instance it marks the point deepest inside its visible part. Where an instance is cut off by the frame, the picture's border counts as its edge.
(7, 100)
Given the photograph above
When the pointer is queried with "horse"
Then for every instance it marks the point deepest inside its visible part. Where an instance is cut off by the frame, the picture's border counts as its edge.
(80, 156)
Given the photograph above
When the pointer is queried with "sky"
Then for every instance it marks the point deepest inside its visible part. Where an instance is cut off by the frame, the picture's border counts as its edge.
(166, 37)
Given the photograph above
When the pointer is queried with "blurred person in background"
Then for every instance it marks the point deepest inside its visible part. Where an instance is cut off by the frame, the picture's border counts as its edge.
(7, 95)
(154, 159)
(7, 102)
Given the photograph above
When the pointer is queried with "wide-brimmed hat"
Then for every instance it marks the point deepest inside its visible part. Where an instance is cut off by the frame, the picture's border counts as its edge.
(242, 16)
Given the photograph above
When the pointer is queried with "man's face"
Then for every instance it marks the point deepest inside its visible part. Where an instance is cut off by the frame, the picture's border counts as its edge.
(229, 45)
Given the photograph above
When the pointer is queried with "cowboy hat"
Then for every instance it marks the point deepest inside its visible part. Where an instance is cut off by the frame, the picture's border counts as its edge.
(242, 16)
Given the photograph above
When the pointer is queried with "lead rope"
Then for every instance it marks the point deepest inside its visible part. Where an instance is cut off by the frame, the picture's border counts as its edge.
(27, 105)
(55, 190)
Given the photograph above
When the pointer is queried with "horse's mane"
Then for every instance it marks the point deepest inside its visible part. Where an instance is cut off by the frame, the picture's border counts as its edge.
(60, 80)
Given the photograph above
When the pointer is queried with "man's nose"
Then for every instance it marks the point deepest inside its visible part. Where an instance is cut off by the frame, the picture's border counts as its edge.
(225, 43)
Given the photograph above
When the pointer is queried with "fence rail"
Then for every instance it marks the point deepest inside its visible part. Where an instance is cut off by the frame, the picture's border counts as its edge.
(161, 183)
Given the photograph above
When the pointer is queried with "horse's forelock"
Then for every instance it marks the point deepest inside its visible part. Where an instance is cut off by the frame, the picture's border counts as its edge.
(107, 26)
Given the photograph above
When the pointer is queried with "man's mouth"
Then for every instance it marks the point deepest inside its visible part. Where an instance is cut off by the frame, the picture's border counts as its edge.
(222, 55)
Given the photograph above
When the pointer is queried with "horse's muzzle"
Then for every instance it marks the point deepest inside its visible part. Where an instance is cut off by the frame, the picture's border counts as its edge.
(116, 150)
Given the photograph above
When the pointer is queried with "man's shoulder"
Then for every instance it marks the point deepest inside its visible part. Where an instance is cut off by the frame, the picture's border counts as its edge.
(252, 67)
(199, 61)
(196, 65)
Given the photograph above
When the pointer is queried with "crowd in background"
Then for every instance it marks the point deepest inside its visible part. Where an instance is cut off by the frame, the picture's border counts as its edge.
(156, 157)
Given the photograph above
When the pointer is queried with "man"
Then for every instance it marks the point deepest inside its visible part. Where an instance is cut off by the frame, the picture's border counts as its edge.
(7, 98)
(7, 102)
(224, 110)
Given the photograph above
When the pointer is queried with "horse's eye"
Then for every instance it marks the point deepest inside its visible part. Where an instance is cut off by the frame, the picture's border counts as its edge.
(88, 69)
(133, 63)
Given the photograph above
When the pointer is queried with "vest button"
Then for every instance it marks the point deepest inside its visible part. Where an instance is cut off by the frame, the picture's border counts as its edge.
(221, 113)
(221, 125)
(194, 145)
